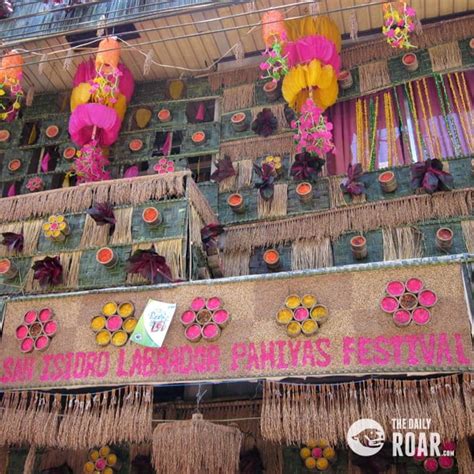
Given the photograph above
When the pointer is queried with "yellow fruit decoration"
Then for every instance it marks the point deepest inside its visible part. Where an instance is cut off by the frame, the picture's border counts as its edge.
(312, 443)
(305, 453)
(322, 464)
(310, 463)
(329, 453)
(323, 443)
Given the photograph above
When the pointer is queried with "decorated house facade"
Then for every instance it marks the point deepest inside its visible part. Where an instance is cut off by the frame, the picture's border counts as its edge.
(236, 236)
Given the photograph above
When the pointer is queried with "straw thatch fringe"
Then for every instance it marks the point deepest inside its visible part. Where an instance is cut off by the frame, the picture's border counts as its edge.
(196, 224)
(94, 235)
(402, 243)
(205, 444)
(242, 178)
(435, 34)
(445, 56)
(468, 234)
(140, 450)
(277, 205)
(238, 98)
(229, 184)
(74, 458)
(278, 111)
(123, 226)
(464, 457)
(236, 263)
(31, 233)
(30, 461)
(233, 78)
(307, 254)
(252, 148)
(289, 410)
(76, 199)
(200, 203)
(335, 191)
(361, 218)
(373, 76)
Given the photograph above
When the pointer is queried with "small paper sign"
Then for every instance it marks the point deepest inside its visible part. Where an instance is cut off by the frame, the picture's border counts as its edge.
(154, 323)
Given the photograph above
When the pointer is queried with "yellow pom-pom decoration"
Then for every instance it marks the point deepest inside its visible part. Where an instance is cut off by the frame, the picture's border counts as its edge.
(310, 463)
(329, 453)
(312, 443)
(323, 443)
(305, 453)
(322, 464)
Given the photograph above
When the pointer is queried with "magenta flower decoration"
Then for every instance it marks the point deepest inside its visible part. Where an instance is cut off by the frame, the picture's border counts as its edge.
(164, 166)
(35, 184)
(90, 164)
(398, 24)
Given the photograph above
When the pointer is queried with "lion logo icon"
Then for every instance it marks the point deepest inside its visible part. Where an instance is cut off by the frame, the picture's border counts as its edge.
(365, 437)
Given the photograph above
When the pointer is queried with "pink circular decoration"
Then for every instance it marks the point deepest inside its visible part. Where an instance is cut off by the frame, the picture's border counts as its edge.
(446, 462)
(114, 323)
(307, 48)
(317, 453)
(414, 285)
(214, 303)
(221, 316)
(27, 344)
(421, 316)
(21, 332)
(427, 298)
(210, 331)
(193, 332)
(419, 456)
(45, 314)
(448, 445)
(101, 464)
(198, 303)
(42, 342)
(50, 328)
(30, 317)
(430, 465)
(87, 116)
(395, 288)
(401, 317)
(389, 304)
(301, 314)
(188, 317)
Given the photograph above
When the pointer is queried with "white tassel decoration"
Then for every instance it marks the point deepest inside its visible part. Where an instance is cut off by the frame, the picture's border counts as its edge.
(354, 27)
(314, 8)
(30, 95)
(239, 52)
(42, 64)
(68, 60)
(148, 62)
(250, 7)
(102, 23)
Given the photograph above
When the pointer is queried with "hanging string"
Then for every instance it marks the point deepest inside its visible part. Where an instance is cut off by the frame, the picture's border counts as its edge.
(68, 61)
(354, 34)
(148, 62)
(239, 52)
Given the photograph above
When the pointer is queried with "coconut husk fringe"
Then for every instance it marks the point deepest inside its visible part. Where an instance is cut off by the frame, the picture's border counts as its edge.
(361, 218)
(30, 461)
(195, 226)
(373, 76)
(74, 458)
(205, 443)
(242, 178)
(235, 77)
(94, 235)
(402, 243)
(123, 226)
(307, 254)
(463, 457)
(277, 205)
(236, 263)
(445, 56)
(432, 35)
(278, 111)
(337, 196)
(468, 234)
(200, 203)
(79, 198)
(289, 410)
(238, 98)
(253, 148)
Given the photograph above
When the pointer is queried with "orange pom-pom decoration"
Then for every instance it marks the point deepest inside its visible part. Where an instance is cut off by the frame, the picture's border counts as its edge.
(11, 68)
(273, 27)
(108, 54)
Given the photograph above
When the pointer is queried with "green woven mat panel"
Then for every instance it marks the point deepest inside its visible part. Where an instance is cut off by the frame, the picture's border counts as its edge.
(461, 172)
(63, 164)
(228, 132)
(95, 275)
(211, 193)
(62, 121)
(467, 57)
(10, 154)
(12, 287)
(121, 150)
(173, 225)
(397, 70)
(342, 248)
(354, 90)
(319, 202)
(148, 92)
(178, 116)
(199, 88)
(227, 216)
(16, 460)
(292, 463)
(212, 131)
(15, 131)
(374, 191)
(47, 180)
(429, 239)
(45, 104)
(258, 266)
(76, 224)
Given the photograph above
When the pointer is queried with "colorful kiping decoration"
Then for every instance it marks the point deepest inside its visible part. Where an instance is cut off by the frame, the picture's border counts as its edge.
(101, 460)
(274, 35)
(205, 319)
(318, 455)
(115, 324)
(36, 330)
(35, 184)
(164, 166)
(11, 92)
(408, 301)
(56, 228)
(302, 315)
(398, 24)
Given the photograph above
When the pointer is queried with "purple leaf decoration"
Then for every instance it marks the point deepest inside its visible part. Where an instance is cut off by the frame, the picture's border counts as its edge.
(224, 169)
(351, 185)
(48, 271)
(103, 214)
(266, 180)
(265, 124)
(149, 265)
(209, 235)
(306, 166)
(13, 241)
(45, 162)
(11, 190)
(131, 172)
(429, 175)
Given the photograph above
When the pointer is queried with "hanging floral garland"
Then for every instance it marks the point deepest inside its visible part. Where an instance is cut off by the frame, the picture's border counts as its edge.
(90, 163)
(11, 91)
(398, 24)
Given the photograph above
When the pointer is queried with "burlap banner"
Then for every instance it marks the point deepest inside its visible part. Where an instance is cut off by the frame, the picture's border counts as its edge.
(357, 337)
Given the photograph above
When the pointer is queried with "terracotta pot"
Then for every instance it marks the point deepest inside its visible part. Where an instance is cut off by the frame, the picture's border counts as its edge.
(4, 136)
(8, 269)
(69, 153)
(211, 332)
(402, 317)
(359, 247)
(198, 138)
(410, 61)
(388, 181)
(444, 239)
(304, 192)
(52, 131)
(239, 122)
(271, 257)
(14, 165)
(106, 257)
(345, 79)
(272, 91)
(164, 115)
(236, 203)
(135, 145)
(152, 216)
